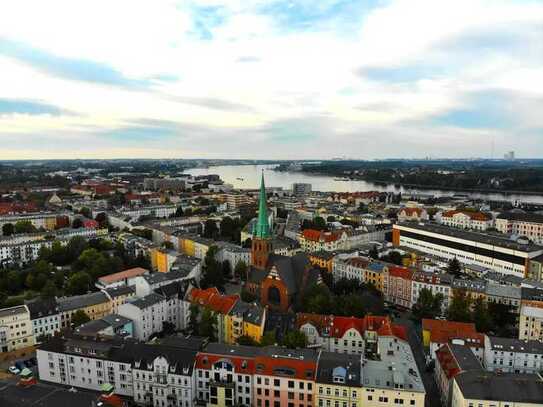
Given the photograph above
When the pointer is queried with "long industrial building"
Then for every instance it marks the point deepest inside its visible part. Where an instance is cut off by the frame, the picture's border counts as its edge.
(494, 252)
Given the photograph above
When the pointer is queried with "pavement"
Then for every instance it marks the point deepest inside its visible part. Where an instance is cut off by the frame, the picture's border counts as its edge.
(415, 341)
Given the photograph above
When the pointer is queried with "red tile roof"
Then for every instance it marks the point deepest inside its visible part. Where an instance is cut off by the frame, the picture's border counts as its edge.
(447, 362)
(133, 272)
(211, 298)
(321, 236)
(472, 215)
(445, 331)
(266, 365)
(401, 272)
(7, 208)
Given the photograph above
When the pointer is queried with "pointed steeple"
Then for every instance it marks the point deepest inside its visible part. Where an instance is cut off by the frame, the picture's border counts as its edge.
(262, 229)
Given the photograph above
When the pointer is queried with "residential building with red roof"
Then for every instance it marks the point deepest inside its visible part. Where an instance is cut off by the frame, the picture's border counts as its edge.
(220, 304)
(13, 208)
(125, 277)
(312, 240)
(452, 360)
(397, 283)
(347, 334)
(412, 214)
(466, 219)
(436, 333)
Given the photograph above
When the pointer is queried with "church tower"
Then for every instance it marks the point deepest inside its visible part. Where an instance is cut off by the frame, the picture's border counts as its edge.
(262, 242)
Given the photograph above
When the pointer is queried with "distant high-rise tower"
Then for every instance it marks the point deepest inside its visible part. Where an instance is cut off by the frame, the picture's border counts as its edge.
(262, 242)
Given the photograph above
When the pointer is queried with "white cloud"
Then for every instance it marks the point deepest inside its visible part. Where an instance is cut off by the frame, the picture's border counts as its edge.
(289, 73)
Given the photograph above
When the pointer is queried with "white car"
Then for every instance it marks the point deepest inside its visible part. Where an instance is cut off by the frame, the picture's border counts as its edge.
(14, 370)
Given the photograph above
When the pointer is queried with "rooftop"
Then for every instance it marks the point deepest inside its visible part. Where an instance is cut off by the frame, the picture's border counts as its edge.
(122, 275)
(508, 387)
(485, 238)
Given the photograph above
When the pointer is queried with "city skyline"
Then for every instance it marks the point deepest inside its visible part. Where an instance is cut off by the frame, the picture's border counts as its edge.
(271, 79)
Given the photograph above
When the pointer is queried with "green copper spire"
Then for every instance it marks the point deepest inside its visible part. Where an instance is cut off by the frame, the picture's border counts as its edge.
(262, 229)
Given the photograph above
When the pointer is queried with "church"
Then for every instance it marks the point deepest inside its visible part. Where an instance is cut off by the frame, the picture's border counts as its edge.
(278, 281)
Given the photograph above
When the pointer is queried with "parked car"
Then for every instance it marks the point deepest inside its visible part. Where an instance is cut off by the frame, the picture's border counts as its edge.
(14, 370)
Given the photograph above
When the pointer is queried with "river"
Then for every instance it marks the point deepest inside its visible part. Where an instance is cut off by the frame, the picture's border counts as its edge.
(248, 177)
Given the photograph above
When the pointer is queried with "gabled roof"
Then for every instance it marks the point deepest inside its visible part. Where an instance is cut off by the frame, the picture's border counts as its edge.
(321, 236)
(480, 216)
(455, 359)
(211, 298)
(336, 326)
(401, 272)
(445, 331)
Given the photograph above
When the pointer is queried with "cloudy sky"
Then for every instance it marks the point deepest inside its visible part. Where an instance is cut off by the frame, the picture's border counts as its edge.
(270, 78)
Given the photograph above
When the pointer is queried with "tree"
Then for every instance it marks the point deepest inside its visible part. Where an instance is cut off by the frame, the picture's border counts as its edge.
(77, 223)
(49, 290)
(78, 283)
(8, 229)
(374, 253)
(455, 268)
(317, 300)
(246, 340)
(178, 212)
(79, 318)
(247, 296)
(167, 245)
(331, 218)
(349, 306)
(227, 227)
(101, 218)
(24, 226)
(428, 305)
(503, 318)
(240, 271)
(193, 317)
(208, 325)
(459, 308)
(319, 223)
(226, 269)
(481, 317)
(211, 271)
(210, 229)
(294, 339)
(268, 339)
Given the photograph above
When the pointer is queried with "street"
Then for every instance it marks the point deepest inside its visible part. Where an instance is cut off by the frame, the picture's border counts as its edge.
(415, 341)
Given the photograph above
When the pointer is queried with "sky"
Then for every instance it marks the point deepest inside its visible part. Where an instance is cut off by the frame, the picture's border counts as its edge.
(270, 79)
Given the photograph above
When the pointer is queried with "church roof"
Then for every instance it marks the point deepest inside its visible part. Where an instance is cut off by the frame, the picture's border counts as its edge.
(262, 229)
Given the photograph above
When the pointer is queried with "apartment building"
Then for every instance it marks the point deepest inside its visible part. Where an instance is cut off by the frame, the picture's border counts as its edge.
(15, 328)
(437, 333)
(466, 220)
(531, 323)
(349, 267)
(155, 375)
(245, 319)
(412, 214)
(45, 317)
(96, 305)
(316, 240)
(493, 252)
(397, 286)
(436, 283)
(521, 224)
(348, 335)
(488, 389)
(513, 355)
(148, 314)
